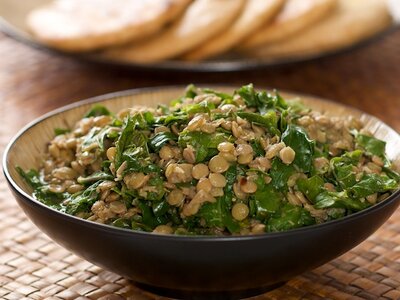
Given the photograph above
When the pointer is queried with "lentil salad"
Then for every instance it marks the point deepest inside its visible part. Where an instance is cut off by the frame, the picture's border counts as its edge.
(212, 163)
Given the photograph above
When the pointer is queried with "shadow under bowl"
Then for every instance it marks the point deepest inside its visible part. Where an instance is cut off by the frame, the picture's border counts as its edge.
(237, 265)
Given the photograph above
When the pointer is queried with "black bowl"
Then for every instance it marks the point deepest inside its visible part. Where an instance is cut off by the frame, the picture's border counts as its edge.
(238, 265)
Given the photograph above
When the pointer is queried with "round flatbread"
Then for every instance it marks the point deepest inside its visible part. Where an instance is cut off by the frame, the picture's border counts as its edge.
(351, 22)
(255, 14)
(202, 20)
(84, 25)
(295, 16)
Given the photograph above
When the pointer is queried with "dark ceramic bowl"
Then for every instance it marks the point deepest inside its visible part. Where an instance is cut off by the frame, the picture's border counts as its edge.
(236, 265)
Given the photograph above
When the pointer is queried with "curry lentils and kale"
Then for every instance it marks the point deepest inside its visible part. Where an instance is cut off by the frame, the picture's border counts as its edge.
(212, 163)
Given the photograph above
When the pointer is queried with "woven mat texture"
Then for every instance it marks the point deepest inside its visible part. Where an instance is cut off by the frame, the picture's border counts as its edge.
(34, 267)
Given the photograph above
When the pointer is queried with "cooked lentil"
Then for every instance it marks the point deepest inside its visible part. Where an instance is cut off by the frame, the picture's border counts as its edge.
(175, 197)
(213, 163)
(287, 155)
(204, 184)
(200, 171)
(217, 180)
(240, 211)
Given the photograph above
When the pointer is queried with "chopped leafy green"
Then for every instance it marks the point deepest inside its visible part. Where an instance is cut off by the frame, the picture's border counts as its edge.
(297, 106)
(136, 160)
(31, 177)
(335, 213)
(283, 121)
(296, 138)
(280, 174)
(60, 131)
(163, 108)
(100, 175)
(160, 139)
(158, 192)
(223, 96)
(41, 189)
(218, 214)
(160, 208)
(148, 117)
(122, 223)
(171, 119)
(311, 187)
(257, 148)
(371, 184)
(202, 107)
(391, 173)
(212, 213)
(261, 100)
(269, 120)
(131, 141)
(279, 101)
(339, 200)
(83, 201)
(95, 139)
(149, 219)
(289, 217)
(371, 145)
(249, 95)
(191, 91)
(97, 110)
(205, 144)
(343, 168)
(267, 199)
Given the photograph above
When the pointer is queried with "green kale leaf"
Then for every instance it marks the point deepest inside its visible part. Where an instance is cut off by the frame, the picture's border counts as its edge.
(269, 120)
(160, 139)
(296, 138)
(371, 145)
(311, 187)
(339, 200)
(343, 168)
(97, 110)
(205, 144)
(83, 201)
(280, 174)
(267, 200)
(289, 217)
(372, 183)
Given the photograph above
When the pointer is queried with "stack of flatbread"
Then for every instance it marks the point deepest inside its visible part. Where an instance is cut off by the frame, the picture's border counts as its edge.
(149, 31)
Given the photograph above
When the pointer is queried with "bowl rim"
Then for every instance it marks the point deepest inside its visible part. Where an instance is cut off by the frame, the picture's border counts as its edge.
(30, 200)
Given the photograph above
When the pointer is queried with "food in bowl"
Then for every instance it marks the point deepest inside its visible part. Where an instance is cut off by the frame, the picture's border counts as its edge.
(214, 164)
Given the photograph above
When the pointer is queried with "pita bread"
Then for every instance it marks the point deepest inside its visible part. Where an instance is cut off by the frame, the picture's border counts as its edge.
(295, 17)
(202, 20)
(84, 25)
(352, 21)
(255, 14)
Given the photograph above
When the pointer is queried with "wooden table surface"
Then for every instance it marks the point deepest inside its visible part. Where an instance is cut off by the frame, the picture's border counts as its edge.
(33, 82)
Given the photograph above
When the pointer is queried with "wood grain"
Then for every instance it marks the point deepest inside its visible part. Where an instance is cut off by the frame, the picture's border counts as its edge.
(33, 82)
